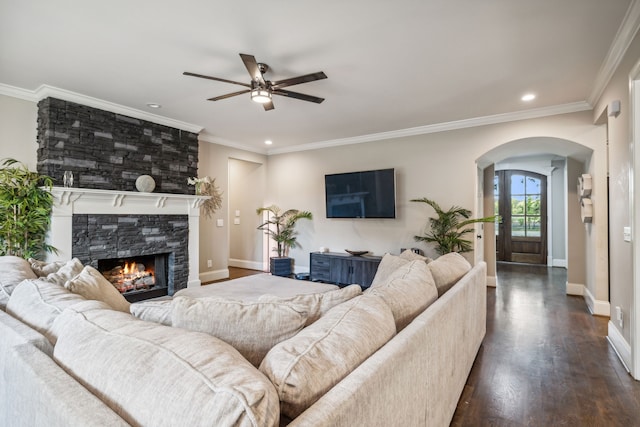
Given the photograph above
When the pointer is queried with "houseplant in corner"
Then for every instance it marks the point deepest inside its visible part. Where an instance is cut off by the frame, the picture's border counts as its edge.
(447, 230)
(280, 226)
(25, 210)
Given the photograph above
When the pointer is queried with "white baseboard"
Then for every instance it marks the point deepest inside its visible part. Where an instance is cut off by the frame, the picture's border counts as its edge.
(209, 276)
(243, 263)
(619, 345)
(559, 263)
(575, 289)
(596, 307)
(492, 281)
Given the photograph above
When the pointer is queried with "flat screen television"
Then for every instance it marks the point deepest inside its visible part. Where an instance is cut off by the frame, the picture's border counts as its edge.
(366, 194)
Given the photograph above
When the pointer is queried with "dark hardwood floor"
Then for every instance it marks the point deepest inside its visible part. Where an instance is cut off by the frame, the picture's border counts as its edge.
(545, 360)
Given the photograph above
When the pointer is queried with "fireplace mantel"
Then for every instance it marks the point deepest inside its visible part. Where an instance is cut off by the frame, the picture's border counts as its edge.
(70, 201)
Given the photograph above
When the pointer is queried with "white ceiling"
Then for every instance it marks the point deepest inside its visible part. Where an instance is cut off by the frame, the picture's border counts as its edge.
(391, 66)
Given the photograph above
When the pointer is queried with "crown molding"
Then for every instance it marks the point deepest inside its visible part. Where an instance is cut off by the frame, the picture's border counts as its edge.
(621, 42)
(45, 91)
(442, 127)
(17, 92)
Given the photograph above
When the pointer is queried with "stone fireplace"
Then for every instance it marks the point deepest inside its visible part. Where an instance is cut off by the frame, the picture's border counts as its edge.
(102, 220)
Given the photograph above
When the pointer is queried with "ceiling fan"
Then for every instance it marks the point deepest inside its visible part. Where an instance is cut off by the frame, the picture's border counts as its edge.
(262, 90)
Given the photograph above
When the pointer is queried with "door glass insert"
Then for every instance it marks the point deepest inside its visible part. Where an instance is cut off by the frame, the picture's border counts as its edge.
(526, 196)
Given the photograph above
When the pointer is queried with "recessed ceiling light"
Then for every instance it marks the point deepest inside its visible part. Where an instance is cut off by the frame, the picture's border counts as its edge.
(528, 97)
(153, 105)
(268, 142)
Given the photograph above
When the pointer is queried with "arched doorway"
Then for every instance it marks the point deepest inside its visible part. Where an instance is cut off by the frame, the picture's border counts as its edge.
(576, 158)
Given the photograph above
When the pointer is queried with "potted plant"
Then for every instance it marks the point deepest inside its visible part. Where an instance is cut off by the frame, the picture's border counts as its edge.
(25, 210)
(449, 227)
(280, 226)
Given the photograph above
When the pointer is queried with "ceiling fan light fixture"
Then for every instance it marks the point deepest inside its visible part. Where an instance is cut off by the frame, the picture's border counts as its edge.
(261, 95)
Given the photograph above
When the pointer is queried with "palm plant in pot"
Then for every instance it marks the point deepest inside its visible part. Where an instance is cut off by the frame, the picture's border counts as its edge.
(25, 210)
(280, 226)
(448, 229)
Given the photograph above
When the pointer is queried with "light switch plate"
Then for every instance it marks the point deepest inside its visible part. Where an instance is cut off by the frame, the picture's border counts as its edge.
(220, 222)
(237, 212)
(236, 221)
(627, 234)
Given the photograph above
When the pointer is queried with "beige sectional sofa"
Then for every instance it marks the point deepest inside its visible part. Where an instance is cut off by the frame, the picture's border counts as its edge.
(399, 353)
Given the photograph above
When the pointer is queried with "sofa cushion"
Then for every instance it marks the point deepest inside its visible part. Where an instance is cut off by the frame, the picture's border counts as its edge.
(92, 285)
(69, 270)
(307, 365)
(38, 302)
(13, 270)
(318, 304)
(448, 269)
(155, 375)
(252, 328)
(408, 291)
(153, 311)
(387, 266)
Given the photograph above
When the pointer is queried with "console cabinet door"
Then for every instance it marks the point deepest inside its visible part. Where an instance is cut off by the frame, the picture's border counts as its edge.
(363, 272)
(340, 271)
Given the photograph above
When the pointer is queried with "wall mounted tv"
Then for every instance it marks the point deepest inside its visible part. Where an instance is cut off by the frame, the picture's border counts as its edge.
(367, 194)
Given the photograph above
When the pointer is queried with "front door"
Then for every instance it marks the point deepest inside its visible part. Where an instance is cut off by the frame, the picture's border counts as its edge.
(521, 201)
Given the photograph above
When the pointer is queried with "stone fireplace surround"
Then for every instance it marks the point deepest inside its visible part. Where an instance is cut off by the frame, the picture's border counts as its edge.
(177, 211)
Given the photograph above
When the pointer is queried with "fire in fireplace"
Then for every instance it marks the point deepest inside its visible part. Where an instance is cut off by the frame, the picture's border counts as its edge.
(137, 278)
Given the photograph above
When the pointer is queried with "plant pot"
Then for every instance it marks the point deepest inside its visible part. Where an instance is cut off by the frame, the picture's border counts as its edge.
(281, 266)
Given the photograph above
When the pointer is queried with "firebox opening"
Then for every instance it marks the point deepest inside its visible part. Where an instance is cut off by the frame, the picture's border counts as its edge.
(139, 277)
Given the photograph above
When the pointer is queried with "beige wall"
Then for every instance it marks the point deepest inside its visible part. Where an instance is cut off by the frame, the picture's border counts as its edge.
(214, 240)
(18, 130)
(619, 170)
(441, 166)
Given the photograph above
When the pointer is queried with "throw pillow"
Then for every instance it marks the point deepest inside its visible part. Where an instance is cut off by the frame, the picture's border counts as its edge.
(447, 270)
(408, 291)
(13, 270)
(409, 255)
(70, 269)
(38, 302)
(155, 375)
(388, 265)
(92, 285)
(318, 304)
(153, 311)
(44, 268)
(252, 328)
(306, 366)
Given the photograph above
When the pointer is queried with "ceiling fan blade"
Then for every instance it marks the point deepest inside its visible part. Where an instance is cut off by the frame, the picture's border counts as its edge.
(298, 80)
(297, 95)
(252, 67)
(268, 106)
(229, 95)
(186, 73)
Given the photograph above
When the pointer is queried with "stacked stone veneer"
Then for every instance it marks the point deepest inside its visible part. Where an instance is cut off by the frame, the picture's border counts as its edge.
(122, 236)
(110, 151)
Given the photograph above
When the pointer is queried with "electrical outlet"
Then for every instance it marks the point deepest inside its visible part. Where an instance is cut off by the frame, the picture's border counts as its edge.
(209, 263)
(619, 316)
(626, 233)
